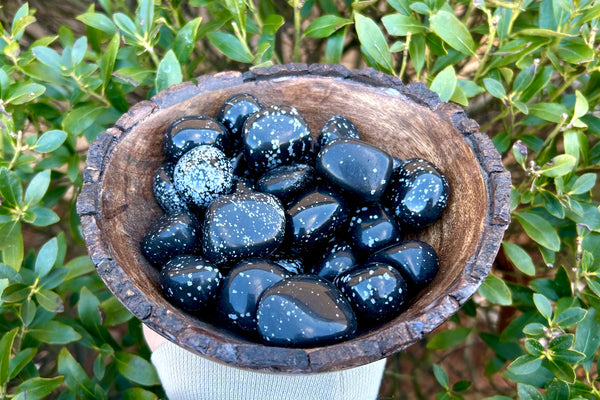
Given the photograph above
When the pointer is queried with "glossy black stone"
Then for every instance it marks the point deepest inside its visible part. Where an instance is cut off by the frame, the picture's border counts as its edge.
(170, 235)
(336, 127)
(290, 262)
(304, 311)
(315, 218)
(336, 260)
(202, 175)
(372, 228)
(189, 132)
(190, 281)
(287, 181)
(376, 291)
(241, 225)
(419, 193)
(165, 193)
(417, 261)
(276, 135)
(356, 166)
(241, 289)
(234, 112)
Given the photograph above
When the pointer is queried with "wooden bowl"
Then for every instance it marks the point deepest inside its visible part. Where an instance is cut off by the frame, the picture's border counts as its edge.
(116, 204)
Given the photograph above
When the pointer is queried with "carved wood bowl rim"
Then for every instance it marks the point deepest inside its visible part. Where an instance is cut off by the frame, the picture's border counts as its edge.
(209, 341)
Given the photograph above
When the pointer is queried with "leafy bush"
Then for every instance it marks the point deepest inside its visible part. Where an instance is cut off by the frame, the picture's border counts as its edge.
(529, 70)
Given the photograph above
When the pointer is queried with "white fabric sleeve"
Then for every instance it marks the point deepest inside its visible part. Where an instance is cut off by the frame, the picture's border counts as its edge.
(187, 376)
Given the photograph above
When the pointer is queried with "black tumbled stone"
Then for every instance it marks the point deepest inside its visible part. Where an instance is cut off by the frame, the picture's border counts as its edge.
(234, 112)
(165, 193)
(189, 132)
(336, 260)
(170, 235)
(287, 181)
(336, 127)
(372, 228)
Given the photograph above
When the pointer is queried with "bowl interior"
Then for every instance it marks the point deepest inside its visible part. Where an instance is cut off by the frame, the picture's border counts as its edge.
(384, 117)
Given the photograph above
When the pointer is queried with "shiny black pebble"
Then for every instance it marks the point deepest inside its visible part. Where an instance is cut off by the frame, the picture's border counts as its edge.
(234, 112)
(165, 193)
(202, 175)
(276, 135)
(287, 181)
(315, 218)
(189, 132)
(336, 127)
(304, 310)
(417, 261)
(372, 228)
(419, 193)
(241, 225)
(291, 263)
(241, 289)
(376, 291)
(356, 166)
(170, 235)
(336, 260)
(190, 281)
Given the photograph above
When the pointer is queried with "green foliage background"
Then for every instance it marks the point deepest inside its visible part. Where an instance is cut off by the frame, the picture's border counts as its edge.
(528, 70)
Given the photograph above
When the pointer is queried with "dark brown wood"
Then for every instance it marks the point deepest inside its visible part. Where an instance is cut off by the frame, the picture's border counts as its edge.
(116, 204)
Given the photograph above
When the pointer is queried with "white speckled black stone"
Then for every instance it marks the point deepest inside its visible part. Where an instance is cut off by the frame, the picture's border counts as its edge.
(336, 127)
(372, 228)
(192, 131)
(165, 193)
(241, 225)
(170, 235)
(376, 291)
(234, 112)
(293, 264)
(417, 261)
(202, 175)
(287, 181)
(356, 166)
(336, 260)
(190, 281)
(276, 135)
(419, 193)
(241, 290)
(304, 311)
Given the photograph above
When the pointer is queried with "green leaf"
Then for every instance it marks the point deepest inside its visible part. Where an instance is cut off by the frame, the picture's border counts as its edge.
(559, 166)
(79, 266)
(76, 378)
(416, 50)
(54, 332)
(138, 394)
(185, 40)
(581, 106)
(524, 365)
(9, 234)
(80, 118)
(562, 342)
(552, 112)
(144, 16)
(495, 88)
(335, 46)
(78, 51)
(441, 376)
(575, 51)
(136, 369)
(557, 390)
(44, 216)
(528, 392)
(519, 258)
(448, 338)
(570, 317)
(231, 46)
(325, 25)
(37, 188)
(169, 72)
(37, 388)
(46, 257)
(48, 57)
(444, 83)
(373, 42)
(401, 25)
(108, 59)
(50, 301)
(50, 141)
(534, 347)
(133, 75)
(587, 337)
(562, 370)
(6, 344)
(547, 33)
(495, 291)
(453, 31)
(98, 21)
(127, 27)
(535, 329)
(570, 356)
(11, 189)
(15, 292)
(88, 308)
(24, 93)
(420, 7)
(28, 311)
(584, 183)
(539, 229)
(20, 360)
(114, 312)
(20, 24)
(543, 305)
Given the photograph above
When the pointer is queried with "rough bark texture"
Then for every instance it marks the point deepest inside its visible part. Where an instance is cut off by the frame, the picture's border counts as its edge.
(116, 204)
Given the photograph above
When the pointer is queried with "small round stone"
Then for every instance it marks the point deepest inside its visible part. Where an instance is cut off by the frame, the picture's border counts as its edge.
(164, 191)
(372, 228)
(287, 181)
(189, 132)
(241, 290)
(336, 127)
(419, 193)
(234, 112)
(303, 311)
(276, 135)
(291, 263)
(241, 225)
(202, 175)
(376, 291)
(336, 260)
(190, 281)
(170, 235)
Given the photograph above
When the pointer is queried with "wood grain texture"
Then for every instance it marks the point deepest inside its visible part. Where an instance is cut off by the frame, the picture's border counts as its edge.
(116, 204)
